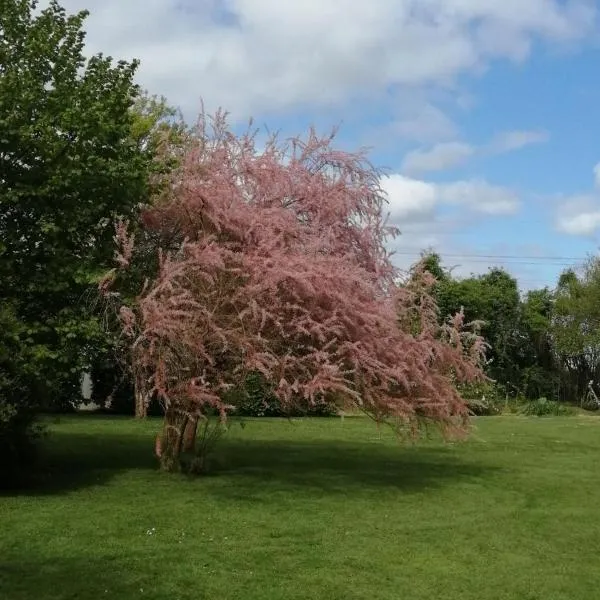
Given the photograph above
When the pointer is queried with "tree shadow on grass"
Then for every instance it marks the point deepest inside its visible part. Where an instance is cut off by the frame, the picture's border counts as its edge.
(340, 467)
(70, 461)
(24, 577)
(76, 460)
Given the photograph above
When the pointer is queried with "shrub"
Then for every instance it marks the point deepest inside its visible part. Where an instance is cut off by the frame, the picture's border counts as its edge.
(18, 432)
(18, 436)
(544, 407)
(483, 398)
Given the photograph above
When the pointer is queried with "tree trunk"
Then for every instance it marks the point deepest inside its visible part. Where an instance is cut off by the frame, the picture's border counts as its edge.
(189, 434)
(179, 447)
(171, 442)
(142, 399)
(141, 404)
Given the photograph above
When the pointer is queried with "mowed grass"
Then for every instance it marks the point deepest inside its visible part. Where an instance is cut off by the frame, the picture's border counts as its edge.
(316, 508)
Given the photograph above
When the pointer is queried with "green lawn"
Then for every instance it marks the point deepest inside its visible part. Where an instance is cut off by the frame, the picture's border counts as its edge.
(318, 509)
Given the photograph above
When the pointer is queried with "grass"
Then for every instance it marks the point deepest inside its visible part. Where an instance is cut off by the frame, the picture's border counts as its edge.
(316, 509)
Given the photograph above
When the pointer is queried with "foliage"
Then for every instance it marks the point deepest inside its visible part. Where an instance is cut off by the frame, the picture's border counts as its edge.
(484, 397)
(539, 373)
(18, 431)
(68, 167)
(575, 327)
(432, 263)
(493, 299)
(255, 398)
(522, 358)
(543, 407)
(19, 436)
(159, 132)
(545, 344)
(275, 262)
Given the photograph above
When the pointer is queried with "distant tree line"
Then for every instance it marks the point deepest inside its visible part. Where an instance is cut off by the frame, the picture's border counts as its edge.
(544, 343)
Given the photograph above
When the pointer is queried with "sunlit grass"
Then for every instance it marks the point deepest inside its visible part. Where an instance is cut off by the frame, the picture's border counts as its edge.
(312, 509)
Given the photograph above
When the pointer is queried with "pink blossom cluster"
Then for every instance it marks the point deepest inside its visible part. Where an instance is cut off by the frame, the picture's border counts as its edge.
(276, 262)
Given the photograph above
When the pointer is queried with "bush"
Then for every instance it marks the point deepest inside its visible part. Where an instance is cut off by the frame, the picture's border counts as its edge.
(18, 432)
(483, 398)
(544, 407)
(539, 382)
(18, 442)
(589, 400)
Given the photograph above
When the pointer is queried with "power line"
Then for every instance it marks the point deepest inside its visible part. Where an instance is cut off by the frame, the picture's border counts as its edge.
(500, 256)
(521, 262)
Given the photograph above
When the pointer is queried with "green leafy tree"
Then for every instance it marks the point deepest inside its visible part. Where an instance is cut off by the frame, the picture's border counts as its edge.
(70, 164)
(17, 428)
(540, 371)
(543, 345)
(576, 327)
(432, 263)
(494, 299)
(159, 132)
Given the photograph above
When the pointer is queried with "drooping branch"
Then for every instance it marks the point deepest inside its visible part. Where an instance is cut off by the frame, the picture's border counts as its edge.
(282, 269)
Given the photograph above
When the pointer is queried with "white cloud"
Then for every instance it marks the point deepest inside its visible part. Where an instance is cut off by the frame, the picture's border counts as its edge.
(433, 216)
(441, 156)
(579, 215)
(413, 200)
(252, 56)
(423, 124)
(514, 140)
(447, 155)
(409, 199)
(480, 196)
(583, 223)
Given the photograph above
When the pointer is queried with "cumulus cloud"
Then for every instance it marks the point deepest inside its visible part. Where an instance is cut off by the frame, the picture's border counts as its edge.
(259, 57)
(514, 140)
(440, 157)
(480, 196)
(414, 200)
(423, 124)
(448, 155)
(409, 199)
(579, 215)
(433, 216)
(253, 56)
(583, 223)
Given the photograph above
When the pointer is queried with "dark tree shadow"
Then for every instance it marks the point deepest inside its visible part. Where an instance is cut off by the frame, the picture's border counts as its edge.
(70, 461)
(24, 577)
(340, 467)
(75, 460)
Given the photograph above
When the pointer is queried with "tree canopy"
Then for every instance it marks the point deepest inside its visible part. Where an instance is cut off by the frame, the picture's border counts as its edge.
(275, 262)
(68, 168)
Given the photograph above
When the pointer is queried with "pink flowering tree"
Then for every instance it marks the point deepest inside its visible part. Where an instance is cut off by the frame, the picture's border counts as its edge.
(274, 260)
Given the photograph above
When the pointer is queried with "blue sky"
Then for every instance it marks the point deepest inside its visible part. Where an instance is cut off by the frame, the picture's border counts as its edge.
(484, 112)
